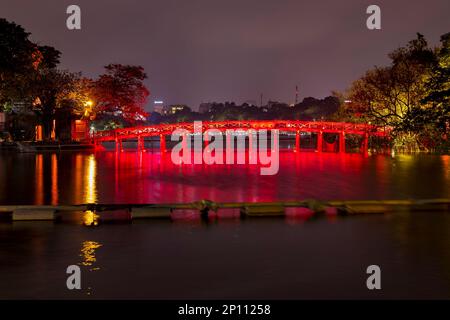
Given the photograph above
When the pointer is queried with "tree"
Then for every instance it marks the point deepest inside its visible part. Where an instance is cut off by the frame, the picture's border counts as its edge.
(388, 94)
(18, 58)
(311, 108)
(345, 110)
(395, 95)
(438, 99)
(49, 87)
(121, 90)
(79, 94)
(29, 74)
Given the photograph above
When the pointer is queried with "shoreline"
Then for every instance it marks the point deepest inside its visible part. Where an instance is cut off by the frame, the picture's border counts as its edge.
(25, 147)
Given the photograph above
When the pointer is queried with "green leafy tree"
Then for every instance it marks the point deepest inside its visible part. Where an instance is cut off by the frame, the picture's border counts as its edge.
(388, 94)
(437, 102)
(395, 95)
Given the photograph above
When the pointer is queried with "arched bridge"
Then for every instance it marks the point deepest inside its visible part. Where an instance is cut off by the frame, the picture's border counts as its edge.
(317, 127)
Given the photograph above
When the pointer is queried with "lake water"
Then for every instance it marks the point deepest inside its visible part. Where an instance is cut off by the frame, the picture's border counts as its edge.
(229, 258)
(131, 177)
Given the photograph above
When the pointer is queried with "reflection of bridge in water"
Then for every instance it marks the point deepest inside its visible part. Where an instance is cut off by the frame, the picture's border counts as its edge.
(320, 129)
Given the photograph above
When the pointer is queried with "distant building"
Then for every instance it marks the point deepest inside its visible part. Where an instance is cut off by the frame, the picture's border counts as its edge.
(162, 109)
(174, 108)
(158, 106)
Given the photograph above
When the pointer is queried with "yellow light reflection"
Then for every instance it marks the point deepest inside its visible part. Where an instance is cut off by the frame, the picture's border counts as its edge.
(88, 253)
(54, 180)
(78, 178)
(88, 249)
(39, 180)
(90, 183)
(446, 164)
(90, 218)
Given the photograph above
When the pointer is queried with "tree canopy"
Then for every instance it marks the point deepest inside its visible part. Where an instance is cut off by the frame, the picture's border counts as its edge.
(411, 94)
(121, 90)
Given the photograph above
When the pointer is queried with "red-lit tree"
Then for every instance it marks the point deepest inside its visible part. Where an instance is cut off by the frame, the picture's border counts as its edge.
(122, 92)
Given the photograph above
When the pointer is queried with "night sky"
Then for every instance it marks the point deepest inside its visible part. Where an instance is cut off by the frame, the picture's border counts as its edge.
(207, 50)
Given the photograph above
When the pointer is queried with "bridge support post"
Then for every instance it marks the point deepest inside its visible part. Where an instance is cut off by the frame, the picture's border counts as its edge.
(252, 146)
(342, 142)
(297, 141)
(140, 143)
(162, 143)
(118, 145)
(319, 141)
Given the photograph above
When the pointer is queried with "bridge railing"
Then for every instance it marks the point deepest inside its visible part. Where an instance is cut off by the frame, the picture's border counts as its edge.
(282, 125)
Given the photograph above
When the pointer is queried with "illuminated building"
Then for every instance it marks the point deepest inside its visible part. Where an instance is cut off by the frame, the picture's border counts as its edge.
(158, 106)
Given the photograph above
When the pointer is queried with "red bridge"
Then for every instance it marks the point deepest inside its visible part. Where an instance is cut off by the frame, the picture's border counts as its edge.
(317, 127)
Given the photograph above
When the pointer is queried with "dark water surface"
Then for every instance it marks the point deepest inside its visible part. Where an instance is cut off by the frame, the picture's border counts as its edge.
(229, 258)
